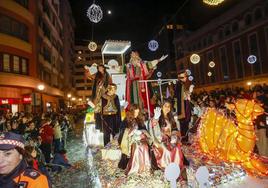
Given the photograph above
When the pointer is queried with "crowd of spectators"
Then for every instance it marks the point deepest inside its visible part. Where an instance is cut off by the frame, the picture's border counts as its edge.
(45, 136)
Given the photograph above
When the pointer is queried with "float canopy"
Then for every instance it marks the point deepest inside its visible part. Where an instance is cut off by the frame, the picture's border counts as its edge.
(115, 47)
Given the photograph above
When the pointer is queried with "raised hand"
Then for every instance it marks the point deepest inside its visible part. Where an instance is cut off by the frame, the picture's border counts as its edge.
(163, 58)
(157, 112)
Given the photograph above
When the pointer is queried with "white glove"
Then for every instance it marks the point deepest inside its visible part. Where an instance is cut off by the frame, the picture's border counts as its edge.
(157, 112)
(91, 104)
(163, 58)
(191, 88)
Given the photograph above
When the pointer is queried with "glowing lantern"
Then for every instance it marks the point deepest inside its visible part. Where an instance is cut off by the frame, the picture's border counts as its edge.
(153, 45)
(211, 64)
(159, 74)
(94, 13)
(191, 78)
(252, 59)
(195, 58)
(92, 46)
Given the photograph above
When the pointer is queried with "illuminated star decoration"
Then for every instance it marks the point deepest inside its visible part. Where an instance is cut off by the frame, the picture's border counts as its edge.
(252, 59)
(153, 45)
(213, 2)
(94, 13)
(92, 46)
(195, 58)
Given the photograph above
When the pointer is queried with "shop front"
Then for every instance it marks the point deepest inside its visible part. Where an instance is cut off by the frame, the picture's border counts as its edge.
(15, 104)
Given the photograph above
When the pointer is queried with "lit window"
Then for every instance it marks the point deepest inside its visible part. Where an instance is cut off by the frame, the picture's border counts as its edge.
(6, 62)
(24, 66)
(16, 64)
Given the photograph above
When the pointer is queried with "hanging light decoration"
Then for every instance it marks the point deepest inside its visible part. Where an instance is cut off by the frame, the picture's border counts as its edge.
(195, 58)
(252, 59)
(213, 2)
(188, 72)
(159, 74)
(153, 45)
(209, 73)
(94, 13)
(211, 64)
(92, 46)
(191, 78)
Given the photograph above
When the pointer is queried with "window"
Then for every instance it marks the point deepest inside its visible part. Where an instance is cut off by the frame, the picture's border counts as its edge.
(238, 59)
(47, 54)
(199, 45)
(258, 14)
(266, 36)
(224, 63)
(181, 66)
(12, 27)
(6, 62)
(220, 34)
(79, 73)
(253, 49)
(79, 66)
(204, 42)
(227, 31)
(19, 65)
(46, 31)
(23, 3)
(24, 66)
(81, 88)
(266, 9)
(80, 81)
(235, 27)
(16, 64)
(47, 77)
(210, 39)
(248, 19)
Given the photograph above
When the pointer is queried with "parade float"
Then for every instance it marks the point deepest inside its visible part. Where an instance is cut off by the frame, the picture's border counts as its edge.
(221, 153)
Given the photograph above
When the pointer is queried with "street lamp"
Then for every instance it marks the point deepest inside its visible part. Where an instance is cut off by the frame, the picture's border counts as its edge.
(69, 97)
(249, 85)
(41, 88)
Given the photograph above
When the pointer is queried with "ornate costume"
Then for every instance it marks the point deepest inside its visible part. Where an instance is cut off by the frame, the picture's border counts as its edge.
(138, 70)
(135, 149)
(101, 82)
(111, 114)
(182, 94)
(167, 147)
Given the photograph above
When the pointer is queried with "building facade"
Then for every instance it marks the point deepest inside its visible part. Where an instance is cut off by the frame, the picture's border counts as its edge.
(228, 40)
(31, 54)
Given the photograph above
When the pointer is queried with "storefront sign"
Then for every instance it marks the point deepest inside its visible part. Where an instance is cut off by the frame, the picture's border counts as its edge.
(26, 100)
(9, 101)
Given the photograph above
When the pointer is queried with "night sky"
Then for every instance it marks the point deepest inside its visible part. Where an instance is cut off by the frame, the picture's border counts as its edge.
(139, 21)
